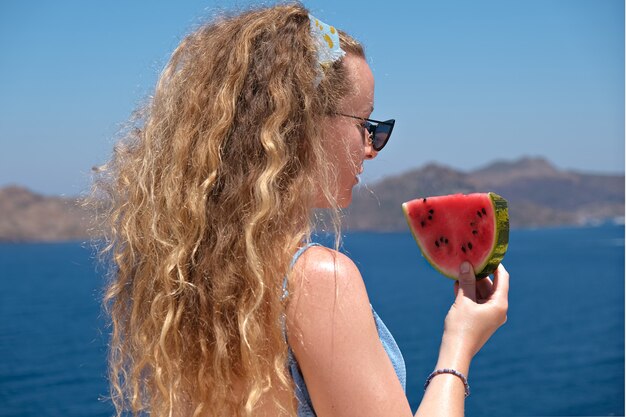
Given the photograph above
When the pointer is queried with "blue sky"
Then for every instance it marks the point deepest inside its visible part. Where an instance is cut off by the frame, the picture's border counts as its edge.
(468, 82)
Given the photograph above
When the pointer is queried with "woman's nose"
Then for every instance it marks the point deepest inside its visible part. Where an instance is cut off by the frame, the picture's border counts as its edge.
(370, 153)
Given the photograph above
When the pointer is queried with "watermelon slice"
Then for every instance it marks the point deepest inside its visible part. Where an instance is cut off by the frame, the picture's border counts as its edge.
(451, 229)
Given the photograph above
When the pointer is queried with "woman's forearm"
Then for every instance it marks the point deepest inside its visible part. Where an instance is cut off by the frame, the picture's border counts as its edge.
(445, 395)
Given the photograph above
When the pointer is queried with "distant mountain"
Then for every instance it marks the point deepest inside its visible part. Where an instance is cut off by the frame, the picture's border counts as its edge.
(26, 216)
(538, 194)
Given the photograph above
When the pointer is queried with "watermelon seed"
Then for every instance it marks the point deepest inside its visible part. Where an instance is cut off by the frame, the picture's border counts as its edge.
(424, 200)
(474, 232)
(423, 223)
(431, 211)
(437, 243)
(430, 217)
(483, 210)
(446, 241)
(479, 215)
(463, 249)
(441, 239)
(469, 245)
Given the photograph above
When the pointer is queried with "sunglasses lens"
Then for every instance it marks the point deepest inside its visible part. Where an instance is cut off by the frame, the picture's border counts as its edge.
(381, 134)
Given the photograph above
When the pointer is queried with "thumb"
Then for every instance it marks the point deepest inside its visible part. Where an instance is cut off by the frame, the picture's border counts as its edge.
(467, 282)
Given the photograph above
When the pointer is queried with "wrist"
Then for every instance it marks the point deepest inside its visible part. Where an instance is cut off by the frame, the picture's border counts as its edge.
(455, 356)
(460, 366)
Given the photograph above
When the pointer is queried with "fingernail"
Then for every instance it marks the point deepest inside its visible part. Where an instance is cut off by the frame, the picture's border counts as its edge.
(465, 267)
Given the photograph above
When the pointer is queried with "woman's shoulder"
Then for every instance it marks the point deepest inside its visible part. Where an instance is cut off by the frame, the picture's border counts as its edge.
(326, 273)
(327, 293)
(326, 258)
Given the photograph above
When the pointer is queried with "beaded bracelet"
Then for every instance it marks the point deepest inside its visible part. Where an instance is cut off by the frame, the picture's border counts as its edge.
(448, 371)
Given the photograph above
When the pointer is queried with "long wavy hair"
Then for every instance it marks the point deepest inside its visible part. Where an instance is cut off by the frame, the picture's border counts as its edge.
(203, 203)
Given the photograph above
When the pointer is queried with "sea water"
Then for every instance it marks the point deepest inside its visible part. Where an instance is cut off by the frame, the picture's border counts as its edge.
(561, 352)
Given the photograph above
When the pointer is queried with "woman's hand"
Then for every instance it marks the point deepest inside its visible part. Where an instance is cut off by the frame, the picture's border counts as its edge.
(479, 309)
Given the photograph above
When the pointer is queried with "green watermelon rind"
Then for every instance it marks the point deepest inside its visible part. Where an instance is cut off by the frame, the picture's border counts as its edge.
(501, 239)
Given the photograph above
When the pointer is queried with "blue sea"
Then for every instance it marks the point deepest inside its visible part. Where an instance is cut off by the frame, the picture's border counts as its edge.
(561, 353)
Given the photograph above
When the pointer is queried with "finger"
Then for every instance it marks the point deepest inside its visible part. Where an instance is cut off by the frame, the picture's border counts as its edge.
(467, 281)
(456, 288)
(484, 288)
(501, 283)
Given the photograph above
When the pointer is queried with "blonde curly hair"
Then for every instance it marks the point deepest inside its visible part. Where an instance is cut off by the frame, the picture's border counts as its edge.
(207, 197)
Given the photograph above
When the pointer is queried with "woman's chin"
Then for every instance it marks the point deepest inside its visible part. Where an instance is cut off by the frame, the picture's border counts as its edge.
(342, 199)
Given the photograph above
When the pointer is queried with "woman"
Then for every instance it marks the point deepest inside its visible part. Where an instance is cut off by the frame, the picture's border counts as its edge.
(220, 305)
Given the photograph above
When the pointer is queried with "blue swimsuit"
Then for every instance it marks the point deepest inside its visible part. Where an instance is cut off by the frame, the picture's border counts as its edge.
(305, 406)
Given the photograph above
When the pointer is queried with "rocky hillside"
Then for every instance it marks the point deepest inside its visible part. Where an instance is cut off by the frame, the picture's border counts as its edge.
(538, 194)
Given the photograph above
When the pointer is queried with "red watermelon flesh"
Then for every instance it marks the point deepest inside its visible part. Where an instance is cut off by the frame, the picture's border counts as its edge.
(455, 228)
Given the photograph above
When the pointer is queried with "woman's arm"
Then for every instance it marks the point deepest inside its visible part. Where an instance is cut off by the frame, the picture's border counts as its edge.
(334, 338)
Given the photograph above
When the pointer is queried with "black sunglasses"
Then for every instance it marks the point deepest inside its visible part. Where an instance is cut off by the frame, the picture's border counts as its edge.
(379, 132)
